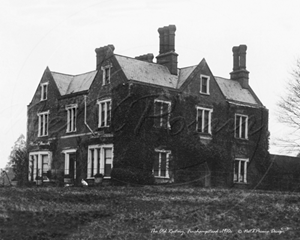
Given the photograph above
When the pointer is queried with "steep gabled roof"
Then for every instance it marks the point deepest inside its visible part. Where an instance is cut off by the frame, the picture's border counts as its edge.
(183, 74)
(147, 72)
(233, 91)
(68, 84)
(152, 73)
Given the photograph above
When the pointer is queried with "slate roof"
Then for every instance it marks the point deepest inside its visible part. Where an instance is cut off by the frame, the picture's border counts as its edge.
(68, 84)
(232, 90)
(184, 73)
(152, 73)
(147, 72)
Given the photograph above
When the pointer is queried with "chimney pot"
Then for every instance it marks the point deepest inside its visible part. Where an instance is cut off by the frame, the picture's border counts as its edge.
(146, 57)
(103, 53)
(167, 55)
(239, 72)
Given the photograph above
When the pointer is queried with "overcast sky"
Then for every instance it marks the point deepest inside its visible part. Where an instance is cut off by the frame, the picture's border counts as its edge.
(63, 35)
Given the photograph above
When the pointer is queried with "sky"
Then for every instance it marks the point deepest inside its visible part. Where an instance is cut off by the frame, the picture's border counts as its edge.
(63, 35)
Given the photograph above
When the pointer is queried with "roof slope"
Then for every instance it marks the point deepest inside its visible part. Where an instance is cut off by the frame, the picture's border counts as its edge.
(68, 84)
(147, 72)
(183, 74)
(232, 90)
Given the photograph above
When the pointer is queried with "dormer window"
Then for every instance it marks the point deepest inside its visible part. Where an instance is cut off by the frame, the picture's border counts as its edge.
(44, 91)
(71, 117)
(204, 84)
(106, 75)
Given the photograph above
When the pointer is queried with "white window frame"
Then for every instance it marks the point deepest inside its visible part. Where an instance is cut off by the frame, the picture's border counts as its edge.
(104, 74)
(38, 162)
(168, 153)
(239, 178)
(99, 150)
(100, 102)
(43, 130)
(160, 116)
(240, 126)
(67, 161)
(44, 91)
(210, 110)
(208, 81)
(71, 117)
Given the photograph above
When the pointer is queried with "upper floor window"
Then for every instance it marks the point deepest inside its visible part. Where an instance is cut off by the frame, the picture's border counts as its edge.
(44, 91)
(100, 160)
(161, 163)
(71, 117)
(106, 75)
(43, 120)
(241, 126)
(203, 121)
(240, 170)
(104, 113)
(204, 84)
(162, 110)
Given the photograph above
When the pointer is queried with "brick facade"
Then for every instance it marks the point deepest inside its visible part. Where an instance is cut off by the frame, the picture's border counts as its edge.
(94, 122)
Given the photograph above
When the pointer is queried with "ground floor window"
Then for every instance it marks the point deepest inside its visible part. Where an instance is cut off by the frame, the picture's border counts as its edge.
(39, 165)
(100, 160)
(70, 163)
(240, 170)
(161, 163)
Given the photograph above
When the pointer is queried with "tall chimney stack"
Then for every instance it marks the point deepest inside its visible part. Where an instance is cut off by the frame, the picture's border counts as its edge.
(167, 55)
(239, 72)
(103, 53)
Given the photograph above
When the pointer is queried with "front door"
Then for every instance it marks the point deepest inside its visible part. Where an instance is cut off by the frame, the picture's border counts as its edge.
(72, 162)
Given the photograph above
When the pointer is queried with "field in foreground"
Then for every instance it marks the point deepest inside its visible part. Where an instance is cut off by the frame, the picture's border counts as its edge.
(147, 213)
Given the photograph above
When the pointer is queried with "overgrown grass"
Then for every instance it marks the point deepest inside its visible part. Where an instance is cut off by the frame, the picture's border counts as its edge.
(147, 213)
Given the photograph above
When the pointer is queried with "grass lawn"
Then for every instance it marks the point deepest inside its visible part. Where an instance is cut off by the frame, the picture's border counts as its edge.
(147, 213)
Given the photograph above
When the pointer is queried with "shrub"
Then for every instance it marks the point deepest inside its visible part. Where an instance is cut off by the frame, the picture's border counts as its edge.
(132, 176)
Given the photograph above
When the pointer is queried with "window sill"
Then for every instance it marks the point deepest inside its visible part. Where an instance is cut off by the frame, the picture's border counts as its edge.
(241, 183)
(205, 94)
(158, 177)
(205, 135)
(242, 139)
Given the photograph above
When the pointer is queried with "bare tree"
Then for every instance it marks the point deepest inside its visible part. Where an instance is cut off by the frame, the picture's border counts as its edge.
(289, 111)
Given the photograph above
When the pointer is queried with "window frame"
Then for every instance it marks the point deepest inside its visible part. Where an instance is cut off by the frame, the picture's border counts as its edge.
(239, 134)
(210, 111)
(71, 118)
(106, 70)
(67, 161)
(44, 91)
(161, 114)
(168, 154)
(237, 178)
(105, 101)
(43, 130)
(38, 161)
(99, 160)
(207, 86)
